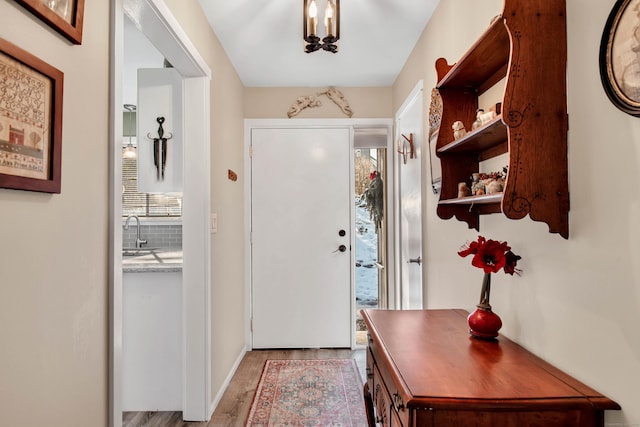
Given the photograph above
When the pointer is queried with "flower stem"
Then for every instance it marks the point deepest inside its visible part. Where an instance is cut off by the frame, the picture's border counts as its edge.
(486, 291)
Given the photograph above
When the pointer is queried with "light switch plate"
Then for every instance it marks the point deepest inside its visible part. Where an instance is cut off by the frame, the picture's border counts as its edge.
(214, 223)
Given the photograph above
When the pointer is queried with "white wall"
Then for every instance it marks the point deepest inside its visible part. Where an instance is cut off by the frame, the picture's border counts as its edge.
(576, 304)
(270, 102)
(227, 197)
(53, 248)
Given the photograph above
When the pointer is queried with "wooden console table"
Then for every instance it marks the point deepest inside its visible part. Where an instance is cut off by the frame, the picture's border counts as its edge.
(423, 369)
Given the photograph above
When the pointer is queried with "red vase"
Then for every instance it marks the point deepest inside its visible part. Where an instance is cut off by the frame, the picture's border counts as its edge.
(484, 323)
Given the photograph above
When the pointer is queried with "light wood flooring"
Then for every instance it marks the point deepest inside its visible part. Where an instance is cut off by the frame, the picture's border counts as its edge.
(233, 409)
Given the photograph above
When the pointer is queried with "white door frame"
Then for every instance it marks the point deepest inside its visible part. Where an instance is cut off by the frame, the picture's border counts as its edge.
(416, 95)
(164, 31)
(408, 102)
(249, 124)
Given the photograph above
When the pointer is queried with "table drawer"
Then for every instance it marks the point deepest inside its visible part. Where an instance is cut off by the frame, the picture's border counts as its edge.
(396, 397)
(370, 368)
(381, 401)
(386, 412)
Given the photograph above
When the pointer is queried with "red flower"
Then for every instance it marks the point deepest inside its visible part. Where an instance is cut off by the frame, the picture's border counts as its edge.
(512, 260)
(491, 255)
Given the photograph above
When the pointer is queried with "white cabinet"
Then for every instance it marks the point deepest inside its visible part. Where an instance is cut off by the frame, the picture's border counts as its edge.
(152, 342)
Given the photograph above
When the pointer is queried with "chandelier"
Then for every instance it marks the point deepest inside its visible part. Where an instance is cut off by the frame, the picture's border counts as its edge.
(331, 24)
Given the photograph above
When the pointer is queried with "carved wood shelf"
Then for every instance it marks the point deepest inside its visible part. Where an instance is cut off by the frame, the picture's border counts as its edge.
(474, 200)
(526, 45)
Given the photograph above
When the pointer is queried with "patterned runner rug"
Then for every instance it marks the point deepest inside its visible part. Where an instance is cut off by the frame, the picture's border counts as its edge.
(309, 393)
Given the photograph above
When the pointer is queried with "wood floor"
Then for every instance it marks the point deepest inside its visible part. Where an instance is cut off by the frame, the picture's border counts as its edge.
(233, 409)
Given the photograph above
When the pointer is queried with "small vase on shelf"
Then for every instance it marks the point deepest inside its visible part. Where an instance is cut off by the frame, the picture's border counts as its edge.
(483, 322)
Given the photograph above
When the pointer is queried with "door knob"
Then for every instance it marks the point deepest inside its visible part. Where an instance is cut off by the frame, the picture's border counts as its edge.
(342, 233)
(341, 248)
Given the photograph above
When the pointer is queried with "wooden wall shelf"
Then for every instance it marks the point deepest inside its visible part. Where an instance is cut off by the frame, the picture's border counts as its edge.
(474, 200)
(489, 136)
(485, 63)
(527, 47)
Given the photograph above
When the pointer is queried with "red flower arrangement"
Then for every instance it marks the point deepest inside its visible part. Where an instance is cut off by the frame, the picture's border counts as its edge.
(491, 256)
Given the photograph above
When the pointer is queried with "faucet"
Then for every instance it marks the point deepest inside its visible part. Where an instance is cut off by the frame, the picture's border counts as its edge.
(139, 241)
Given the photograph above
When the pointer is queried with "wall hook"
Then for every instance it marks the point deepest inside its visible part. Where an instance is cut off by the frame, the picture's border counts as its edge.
(412, 150)
(160, 151)
(402, 147)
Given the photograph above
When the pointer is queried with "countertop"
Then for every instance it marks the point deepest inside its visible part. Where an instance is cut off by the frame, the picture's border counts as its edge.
(149, 260)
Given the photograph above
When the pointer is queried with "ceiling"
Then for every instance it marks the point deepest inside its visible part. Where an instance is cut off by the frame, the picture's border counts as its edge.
(263, 39)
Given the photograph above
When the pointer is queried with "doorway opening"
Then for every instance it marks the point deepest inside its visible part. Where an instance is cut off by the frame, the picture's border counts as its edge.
(370, 174)
(335, 241)
(155, 21)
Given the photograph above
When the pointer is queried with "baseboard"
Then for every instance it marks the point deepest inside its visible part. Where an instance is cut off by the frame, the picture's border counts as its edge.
(227, 380)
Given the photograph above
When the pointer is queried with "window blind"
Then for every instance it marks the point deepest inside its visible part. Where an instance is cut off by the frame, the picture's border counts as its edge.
(145, 204)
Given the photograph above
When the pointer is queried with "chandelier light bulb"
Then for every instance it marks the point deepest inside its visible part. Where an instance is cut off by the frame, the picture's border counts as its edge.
(313, 13)
(328, 17)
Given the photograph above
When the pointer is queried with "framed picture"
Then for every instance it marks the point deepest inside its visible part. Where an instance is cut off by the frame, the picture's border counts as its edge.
(30, 121)
(64, 16)
(620, 56)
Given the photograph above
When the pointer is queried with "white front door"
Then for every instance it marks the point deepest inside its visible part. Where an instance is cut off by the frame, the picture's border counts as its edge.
(301, 238)
(409, 120)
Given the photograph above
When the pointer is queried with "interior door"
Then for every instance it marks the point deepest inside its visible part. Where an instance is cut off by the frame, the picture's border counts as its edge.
(301, 238)
(410, 121)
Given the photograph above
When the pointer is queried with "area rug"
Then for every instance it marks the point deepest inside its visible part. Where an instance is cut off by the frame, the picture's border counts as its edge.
(309, 393)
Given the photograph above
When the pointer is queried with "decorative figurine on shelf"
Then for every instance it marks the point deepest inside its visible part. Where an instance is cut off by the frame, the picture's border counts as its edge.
(485, 117)
(476, 187)
(495, 186)
(488, 183)
(458, 130)
(478, 122)
(463, 189)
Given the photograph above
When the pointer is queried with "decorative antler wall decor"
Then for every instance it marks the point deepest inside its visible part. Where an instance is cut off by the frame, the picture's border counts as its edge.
(160, 151)
(309, 101)
(338, 98)
(302, 103)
